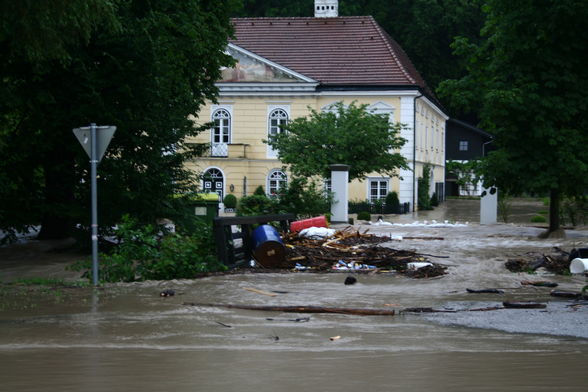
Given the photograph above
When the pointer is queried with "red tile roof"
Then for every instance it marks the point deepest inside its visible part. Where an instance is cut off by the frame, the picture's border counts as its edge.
(334, 51)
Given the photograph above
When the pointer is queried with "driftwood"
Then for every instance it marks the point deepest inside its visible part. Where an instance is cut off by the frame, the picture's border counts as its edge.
(557, 261)
(425, 310)
(485, 309)
(485, 291)
(523, 305)
(538, 283)
(424, 238)
(565, 294)
(302, 309)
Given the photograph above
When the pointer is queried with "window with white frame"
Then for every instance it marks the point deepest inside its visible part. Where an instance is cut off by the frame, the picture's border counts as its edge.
(463, 145)
(378, 189)
(221, 132)
(276, 180)
(277, 119)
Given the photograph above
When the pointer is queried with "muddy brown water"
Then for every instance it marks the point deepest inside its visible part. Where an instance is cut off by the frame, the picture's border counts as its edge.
(125, 337)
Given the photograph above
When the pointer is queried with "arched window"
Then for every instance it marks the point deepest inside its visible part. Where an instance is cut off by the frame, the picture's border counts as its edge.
(277, 119)
(276, 180)
(221, 132)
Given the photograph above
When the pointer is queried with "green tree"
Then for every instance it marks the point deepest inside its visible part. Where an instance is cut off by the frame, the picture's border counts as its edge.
(347, 135)
(467, 173)
(528, 79)
(144, 72)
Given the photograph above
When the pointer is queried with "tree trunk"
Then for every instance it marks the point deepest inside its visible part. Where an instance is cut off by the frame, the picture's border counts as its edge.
(59, 196)
(554, 230)
(554, 197)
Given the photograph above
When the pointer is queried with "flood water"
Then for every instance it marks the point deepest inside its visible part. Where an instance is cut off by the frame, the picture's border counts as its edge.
(126, 337)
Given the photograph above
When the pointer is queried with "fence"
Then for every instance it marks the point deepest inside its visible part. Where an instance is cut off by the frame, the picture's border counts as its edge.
(355, 207)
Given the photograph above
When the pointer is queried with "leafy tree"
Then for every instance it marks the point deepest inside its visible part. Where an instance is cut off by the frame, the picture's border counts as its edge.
(528, 79)
(144, 72)
(269, 8)
(39, 31)
(347, 135)
(466, 172)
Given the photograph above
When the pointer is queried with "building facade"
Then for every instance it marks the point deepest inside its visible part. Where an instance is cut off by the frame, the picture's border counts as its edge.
(284, 66)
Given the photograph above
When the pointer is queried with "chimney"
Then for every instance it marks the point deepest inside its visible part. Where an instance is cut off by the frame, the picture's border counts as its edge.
(326, 8)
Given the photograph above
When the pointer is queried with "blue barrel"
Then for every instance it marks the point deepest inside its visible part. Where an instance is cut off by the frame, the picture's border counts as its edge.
(268, 247)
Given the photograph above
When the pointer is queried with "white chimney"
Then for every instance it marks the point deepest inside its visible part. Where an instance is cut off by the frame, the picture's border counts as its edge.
(326, 8)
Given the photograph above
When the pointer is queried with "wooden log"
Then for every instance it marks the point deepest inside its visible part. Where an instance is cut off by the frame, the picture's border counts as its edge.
(565, 294)
(538, 283)
(485, 291)
(424, 238)
(253, 290)
(490, 308)
(523, 305)
(425, 310)
(302, 309)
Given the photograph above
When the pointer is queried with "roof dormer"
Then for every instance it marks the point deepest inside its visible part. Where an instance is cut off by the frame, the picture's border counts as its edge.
(326, 8)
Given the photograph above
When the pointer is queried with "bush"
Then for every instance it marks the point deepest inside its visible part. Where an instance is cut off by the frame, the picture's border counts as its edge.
(538, 219)
(504, 206)
(392, 205)
(304, 198)
(300, 196)
(377, 207)
(259, 191)
(230, 201)
(424, 201)
(434, 200)
(357, 206)
(574, 210)
(364, 215)
(145, 252)
(256, 205)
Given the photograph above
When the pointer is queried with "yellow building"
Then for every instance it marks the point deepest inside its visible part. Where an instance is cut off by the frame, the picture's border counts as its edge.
(287, 65)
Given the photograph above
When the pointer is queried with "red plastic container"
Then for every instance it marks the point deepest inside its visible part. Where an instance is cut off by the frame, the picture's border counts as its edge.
(319, 221)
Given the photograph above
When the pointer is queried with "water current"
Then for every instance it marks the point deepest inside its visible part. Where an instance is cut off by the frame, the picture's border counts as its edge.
(126, 337)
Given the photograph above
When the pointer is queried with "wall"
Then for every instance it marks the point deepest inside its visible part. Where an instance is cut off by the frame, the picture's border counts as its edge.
(250, 124)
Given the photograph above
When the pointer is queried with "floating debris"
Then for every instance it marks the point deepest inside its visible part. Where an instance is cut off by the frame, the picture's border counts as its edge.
(348, 250)
(485, 291)
(565, 294)
(523, 305)
(167, 293)
(539, 283)
(557, 262)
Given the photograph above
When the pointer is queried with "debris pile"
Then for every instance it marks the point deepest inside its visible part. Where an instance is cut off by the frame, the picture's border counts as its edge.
(349, 250)
(558, 262)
